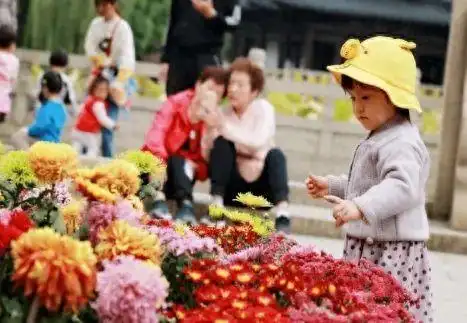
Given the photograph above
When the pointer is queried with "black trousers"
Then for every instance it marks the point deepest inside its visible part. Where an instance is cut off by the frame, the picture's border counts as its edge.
(184, 70)
(178, 186)
(227, 182)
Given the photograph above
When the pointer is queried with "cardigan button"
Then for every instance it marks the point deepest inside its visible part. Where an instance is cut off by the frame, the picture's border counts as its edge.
(369, 241)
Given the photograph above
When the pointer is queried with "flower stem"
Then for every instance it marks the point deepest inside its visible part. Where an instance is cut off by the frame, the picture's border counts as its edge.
(34, 310)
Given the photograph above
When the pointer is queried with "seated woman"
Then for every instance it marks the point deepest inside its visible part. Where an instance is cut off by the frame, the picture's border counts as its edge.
(175, 137)
(243, 156)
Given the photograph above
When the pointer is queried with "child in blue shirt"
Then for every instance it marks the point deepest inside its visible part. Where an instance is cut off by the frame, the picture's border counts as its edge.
(50, 118)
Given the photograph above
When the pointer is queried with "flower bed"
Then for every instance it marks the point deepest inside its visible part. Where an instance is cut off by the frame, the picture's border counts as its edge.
(94, 255)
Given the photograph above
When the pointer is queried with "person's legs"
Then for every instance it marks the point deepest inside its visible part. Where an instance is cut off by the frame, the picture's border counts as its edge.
(108, 135)
(182, 74)
(179, 186)
(273, 184)
(21, 140)
(222, 165)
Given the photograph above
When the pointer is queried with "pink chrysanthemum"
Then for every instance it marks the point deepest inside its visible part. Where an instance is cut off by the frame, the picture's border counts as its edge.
(5, 216)
(130, 291)
(189, 243)
(100, 215)
(125, 211)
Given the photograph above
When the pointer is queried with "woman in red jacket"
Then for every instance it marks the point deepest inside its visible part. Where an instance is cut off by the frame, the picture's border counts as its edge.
(175, 136)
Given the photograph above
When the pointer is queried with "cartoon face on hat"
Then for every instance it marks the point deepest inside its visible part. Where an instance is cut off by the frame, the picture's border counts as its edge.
(383, 62)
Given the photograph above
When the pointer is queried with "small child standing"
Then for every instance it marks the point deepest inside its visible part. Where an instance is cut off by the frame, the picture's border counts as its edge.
(381, 202)
(9, 68)
(50, 118)
(58, 62)
(92, 118)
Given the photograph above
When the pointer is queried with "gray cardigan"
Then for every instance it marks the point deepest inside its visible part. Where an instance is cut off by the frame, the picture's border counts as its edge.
(387, 180)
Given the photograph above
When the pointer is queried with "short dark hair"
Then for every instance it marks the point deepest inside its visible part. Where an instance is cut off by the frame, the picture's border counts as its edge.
(58, 58)
(215, 73)
(7, 36)
(98, 2)
(256, 74)
(52, 81)
(96, 82)
(348, 84)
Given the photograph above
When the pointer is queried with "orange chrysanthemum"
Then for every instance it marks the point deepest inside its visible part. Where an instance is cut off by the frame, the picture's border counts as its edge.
(93, 191)
(120, 238)
(52, 162)
(59, 270)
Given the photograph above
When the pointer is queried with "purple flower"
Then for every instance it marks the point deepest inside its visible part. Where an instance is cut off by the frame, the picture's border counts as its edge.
(5, 216)
(248, 254)
(99, 216)
(130, 291)
(125, 211)
(61, 193)
(189, 243)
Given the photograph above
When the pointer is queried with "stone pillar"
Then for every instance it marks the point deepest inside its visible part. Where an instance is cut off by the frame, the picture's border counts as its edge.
(451, 182)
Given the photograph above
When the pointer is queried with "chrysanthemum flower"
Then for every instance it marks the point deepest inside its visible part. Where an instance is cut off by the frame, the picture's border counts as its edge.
(99, 216)
(93, 191)
(130, 291)
(136, 203)
(252, 201)
(119, 177)
(146, 163)
(72, 215)
(59, 270)
(52, 162)
(16, 168)
(12, 225)
(122, 239)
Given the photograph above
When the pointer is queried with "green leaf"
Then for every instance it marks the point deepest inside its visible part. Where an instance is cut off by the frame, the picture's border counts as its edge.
(13, 307)
(9, 319)
(59, 318)
(39, 216)
(59, 224)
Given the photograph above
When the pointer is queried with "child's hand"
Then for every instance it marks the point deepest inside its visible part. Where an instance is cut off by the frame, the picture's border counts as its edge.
(317, 186)
(344, 210)
(116, 127)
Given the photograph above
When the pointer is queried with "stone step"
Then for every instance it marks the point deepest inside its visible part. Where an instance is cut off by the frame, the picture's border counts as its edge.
(318, 221)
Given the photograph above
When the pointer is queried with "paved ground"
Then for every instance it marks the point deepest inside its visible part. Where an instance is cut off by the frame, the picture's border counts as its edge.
(449, 275)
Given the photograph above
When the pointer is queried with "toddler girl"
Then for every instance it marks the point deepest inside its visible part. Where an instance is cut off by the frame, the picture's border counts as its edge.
(381, 201)
(9, 68)
(92, 118)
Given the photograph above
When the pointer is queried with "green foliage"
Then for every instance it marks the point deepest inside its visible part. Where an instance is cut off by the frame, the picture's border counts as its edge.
(53, 24)
(181, 289)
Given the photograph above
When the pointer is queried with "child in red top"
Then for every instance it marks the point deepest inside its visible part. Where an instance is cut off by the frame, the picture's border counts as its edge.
(92, 118)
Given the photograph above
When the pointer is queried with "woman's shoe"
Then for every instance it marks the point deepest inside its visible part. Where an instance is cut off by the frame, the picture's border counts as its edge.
(283, 224)
(186, 213)
(161, 210)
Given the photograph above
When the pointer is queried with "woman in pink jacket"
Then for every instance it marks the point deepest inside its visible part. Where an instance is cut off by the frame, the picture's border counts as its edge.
(244, 157)
(176, 137)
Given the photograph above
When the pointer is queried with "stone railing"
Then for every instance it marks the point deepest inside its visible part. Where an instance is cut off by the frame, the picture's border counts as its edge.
(317, 143)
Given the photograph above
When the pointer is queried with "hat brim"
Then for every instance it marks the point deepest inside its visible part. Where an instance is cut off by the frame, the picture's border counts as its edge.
(399, 97)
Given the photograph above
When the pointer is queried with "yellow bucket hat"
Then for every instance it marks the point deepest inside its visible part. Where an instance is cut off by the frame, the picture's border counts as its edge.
(383, 62)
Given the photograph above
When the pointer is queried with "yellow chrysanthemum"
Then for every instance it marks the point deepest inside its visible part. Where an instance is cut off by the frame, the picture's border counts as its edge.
(118, 177)
(216, 212)
(59, 270)
(94, 191)
(146, 163)
(72, 216)
(52, 162)
(252, 201)
(261, 226)
(15, 167)
(136, 203)
(181, 228)
(120, 238)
